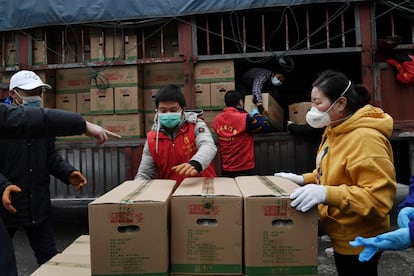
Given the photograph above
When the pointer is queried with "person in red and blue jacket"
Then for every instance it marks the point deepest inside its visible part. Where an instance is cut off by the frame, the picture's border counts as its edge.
(180, 144)
(399, 239)
(235, 128)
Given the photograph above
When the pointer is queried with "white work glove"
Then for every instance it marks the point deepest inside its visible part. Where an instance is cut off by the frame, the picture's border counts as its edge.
(308, 196)
(298, 179)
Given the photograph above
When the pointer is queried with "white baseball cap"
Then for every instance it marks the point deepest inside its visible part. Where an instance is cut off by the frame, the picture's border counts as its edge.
(27, 80)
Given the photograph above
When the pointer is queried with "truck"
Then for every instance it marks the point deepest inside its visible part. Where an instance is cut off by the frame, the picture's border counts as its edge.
(167, 42)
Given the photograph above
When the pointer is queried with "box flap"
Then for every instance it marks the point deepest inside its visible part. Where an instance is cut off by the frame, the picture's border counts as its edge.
(276, 186)
(138, 190)
(218, 186)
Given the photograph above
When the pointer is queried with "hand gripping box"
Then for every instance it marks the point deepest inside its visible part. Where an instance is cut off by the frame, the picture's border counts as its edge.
(275, 113)
(278, 239)
(128, 229)
(206, 227)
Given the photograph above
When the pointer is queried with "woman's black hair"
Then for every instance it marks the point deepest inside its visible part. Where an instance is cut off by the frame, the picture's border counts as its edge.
(232, 98)
(170, 93)
(334, 85)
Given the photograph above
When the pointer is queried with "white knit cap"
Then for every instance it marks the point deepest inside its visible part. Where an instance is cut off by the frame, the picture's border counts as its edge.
(27, 80)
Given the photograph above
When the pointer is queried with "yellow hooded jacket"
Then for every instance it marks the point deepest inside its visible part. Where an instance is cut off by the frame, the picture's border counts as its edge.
(355, 164)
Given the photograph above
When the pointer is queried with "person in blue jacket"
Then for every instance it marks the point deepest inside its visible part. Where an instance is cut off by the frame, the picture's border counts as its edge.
(399, 239)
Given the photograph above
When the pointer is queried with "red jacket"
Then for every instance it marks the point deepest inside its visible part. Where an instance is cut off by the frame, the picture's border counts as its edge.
(175, 152)
(236, 144)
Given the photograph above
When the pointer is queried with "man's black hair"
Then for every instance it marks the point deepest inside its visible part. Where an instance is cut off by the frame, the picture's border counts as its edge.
(170, 93)
(232, 98)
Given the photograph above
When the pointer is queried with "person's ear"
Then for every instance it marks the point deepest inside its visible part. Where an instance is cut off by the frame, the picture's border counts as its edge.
(342, 103)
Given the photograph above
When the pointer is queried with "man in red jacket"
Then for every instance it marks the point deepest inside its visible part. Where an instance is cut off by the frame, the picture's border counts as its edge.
(235, 128)
(180, 144)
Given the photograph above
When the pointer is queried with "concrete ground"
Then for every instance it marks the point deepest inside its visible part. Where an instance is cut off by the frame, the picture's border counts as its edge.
(71, 222)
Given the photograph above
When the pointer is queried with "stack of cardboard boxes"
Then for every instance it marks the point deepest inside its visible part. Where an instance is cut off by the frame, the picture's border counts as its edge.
(206, 226)
(212, 80)
(112, 47)
(110, 97)
(117, 100)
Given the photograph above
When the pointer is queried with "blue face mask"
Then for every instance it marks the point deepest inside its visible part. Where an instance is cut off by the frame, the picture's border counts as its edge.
(170, 119)
(33, 101)
(276, 81)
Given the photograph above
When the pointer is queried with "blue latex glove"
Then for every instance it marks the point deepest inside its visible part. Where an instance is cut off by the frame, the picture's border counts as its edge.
(254, 112)
(404, 216)
(307, 197)
(394, 240)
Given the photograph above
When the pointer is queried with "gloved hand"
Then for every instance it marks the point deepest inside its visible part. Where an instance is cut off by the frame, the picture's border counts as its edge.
(298, 179)
(7, 197)
(185, 169)
(254, 112)
(77, 180)
(261, 109)
(394, 240)
(308, 196)
(404, 216)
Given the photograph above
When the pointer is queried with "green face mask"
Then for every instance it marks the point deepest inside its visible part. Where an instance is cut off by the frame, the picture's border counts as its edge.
(170, 119)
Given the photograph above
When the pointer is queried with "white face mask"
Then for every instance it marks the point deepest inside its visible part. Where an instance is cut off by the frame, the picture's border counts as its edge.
(319, 119)
(276, 81)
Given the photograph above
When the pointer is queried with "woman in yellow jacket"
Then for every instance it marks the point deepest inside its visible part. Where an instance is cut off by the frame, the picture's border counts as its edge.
(354, 182)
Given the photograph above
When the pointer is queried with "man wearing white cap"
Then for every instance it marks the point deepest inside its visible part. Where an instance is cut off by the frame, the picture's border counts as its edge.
(25, 166)
(22, 122)
(26, 89)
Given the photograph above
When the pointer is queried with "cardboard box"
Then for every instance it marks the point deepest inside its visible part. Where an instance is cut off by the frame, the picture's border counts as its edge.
(65, 265)
(218, 90)
(126, 125)
(202, 95)
(131, 47)
(97, 52)
(120, 76)
(278, 240)
(128, 228)
(83, 103)
(149, 95)
(206, 227)
(160, 74)
(297, 112)
(214, 71)
(274, 110)
(102, 101)
(114, 48)
(128, 100)
(148, 120)
(66, 101)
(80, 246)
(73, 80)
(40, 53)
